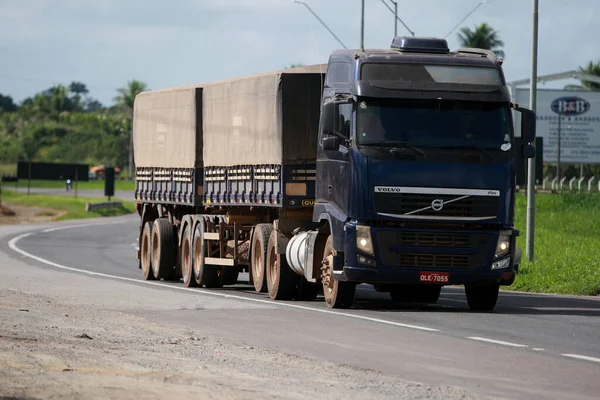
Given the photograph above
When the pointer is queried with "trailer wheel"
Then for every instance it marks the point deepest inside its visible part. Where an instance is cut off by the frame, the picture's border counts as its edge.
(482, 298)
(146, 252)
(260, 241)
(282, 282)
(307, 291)
(187, 258)
(164, 247)
(204, 275)
(337, 294)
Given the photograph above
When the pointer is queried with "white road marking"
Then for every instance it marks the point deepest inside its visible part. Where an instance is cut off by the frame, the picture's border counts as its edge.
(12, 244)
(586, 358)
(481, 339)
(454, 300)
(537, 349)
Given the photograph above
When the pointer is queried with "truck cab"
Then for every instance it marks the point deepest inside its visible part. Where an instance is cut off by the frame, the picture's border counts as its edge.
(416, 172)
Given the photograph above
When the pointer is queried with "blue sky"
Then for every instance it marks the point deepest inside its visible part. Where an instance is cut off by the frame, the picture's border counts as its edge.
(105, 43)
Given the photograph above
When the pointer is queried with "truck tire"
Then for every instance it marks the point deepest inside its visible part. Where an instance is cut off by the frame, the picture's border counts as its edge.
(282, 282)
(146, 252)
(164, 248)
(187, 258)
(307, 291)
(337, 294)
(204, 275)
(260, 242)
(482, 298)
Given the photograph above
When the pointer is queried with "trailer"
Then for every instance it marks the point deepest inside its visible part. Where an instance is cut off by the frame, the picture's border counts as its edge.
(219, 168)
(391, 167)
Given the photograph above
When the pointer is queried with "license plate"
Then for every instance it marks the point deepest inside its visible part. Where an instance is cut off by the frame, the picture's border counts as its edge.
(434, 277)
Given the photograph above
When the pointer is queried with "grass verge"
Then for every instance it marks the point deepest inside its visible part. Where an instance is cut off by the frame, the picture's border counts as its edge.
(566, 246)
(90, 185)
(74, 207)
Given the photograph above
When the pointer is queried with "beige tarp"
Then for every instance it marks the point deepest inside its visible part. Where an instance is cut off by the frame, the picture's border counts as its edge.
(240, 122)
(165, 130)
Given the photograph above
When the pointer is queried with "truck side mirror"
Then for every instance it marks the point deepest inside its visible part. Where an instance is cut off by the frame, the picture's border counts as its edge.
(331, 143)
(527, 125)
(527, 151)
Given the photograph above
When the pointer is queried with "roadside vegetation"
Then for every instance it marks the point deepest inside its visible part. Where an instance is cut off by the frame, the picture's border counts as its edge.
(67, 207)
(567, 244)
(89, 185)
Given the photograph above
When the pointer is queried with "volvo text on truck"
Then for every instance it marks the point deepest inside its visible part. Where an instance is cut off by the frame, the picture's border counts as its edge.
(391, 167)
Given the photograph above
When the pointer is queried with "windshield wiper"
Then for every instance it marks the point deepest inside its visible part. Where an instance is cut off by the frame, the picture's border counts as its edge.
(396, 147)
(470, 147)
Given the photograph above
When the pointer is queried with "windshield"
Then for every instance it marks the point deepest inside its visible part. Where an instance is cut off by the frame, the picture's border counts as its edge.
(433, 123)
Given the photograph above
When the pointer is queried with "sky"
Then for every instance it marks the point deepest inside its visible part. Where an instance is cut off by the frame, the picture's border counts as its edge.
(164, 43)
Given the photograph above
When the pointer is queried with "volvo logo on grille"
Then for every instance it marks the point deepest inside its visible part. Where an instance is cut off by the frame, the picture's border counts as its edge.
(437, 204)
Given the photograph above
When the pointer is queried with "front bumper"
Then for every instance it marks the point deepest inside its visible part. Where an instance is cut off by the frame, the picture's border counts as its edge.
(399, 275)
(400, 255)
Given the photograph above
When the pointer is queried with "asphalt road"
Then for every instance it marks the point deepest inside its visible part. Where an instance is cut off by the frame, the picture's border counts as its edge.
(531, 346)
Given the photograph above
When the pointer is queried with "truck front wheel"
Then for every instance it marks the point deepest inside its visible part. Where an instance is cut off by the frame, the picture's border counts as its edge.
(337, 294)
(482, 298)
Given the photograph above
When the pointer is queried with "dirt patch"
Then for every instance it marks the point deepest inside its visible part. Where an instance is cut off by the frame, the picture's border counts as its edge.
(15, 214)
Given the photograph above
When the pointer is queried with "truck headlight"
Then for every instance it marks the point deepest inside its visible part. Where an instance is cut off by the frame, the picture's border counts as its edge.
(363, 239)
(503, 246)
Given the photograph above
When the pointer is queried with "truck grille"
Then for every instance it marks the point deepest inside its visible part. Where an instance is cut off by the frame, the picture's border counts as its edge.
(420, 205)
(433, 239)
(434, 249)
(434, 260)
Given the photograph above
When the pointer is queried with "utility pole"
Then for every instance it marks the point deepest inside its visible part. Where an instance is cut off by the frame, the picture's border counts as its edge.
(531, 162)
(396, 18)
(362, 24)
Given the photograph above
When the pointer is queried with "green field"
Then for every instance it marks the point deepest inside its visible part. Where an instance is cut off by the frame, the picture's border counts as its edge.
(74, 207)
(567, 244)
(97, 184)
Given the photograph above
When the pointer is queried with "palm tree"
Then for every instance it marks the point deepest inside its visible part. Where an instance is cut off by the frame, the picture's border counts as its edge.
(125, 99)
(593, 68)
(483, 37)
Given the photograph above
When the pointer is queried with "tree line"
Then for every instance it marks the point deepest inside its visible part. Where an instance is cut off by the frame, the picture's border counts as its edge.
(65, 124)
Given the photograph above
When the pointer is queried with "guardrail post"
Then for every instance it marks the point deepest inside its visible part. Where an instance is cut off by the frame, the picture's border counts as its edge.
(571, 183)
(590, 183)
(562, 181)
(554, 183)
(544, 183)
(579, 183)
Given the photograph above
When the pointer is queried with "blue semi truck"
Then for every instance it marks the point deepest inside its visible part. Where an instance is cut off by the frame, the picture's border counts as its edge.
(391, 167)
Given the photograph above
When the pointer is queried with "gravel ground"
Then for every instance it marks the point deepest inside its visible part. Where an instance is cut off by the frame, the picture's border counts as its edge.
(67, 335)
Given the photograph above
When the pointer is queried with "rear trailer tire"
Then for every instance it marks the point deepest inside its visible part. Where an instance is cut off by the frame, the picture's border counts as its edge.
(187, 258)
(482, 298)
(260, 243)
(337, 294)
(282, 282)
(204, 275)
(164, 248)
(146, 252)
